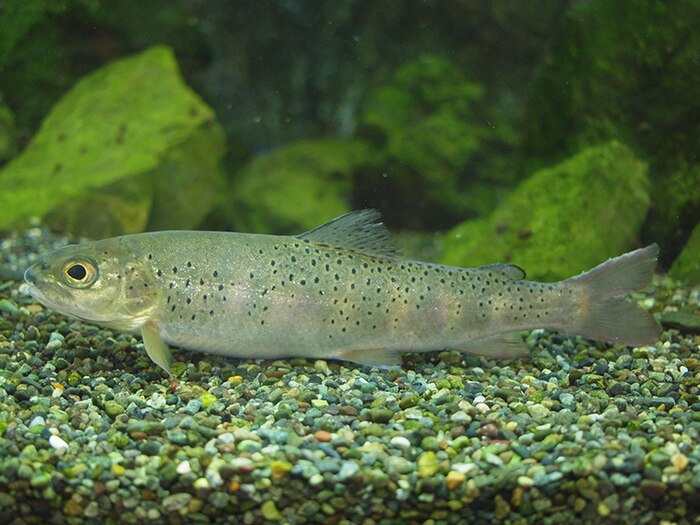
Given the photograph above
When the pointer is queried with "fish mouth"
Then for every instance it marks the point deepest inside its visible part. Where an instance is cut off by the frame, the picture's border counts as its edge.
(36, 292)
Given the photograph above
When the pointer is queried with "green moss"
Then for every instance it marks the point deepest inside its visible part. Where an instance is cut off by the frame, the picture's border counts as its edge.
(296, 187)
(562, 220)
(102, 150)
(427, 132)
(8, 133)
(687, 265)
(631, 75)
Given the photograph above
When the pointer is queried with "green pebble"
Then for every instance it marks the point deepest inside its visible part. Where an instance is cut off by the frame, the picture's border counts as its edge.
(74, 378)
(178, 368)
(430, 443)
(381, 415)
(658, 458)
(218, 500)
(153, 428)
(119, 440)
(408, 402)
(270, 512)
(8, 306)
(428, 464)
(551, 441)
(248, 445)
(25, 472)
(537, 411)
(168, 472)
(207, 399)
(319, 403)
(113, 408)
(653, 489)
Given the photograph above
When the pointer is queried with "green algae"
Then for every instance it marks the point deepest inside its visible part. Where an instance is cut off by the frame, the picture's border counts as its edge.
(562, 220)
(687, 264)
(101, 150)
(296, 187)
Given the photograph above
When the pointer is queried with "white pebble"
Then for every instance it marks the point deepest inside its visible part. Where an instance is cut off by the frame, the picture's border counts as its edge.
(525, 482)
(461, 418)
(58, 443)
(400, 442)
(479, 399)
(157, 401)
(37, 421)
(183, 468)
(482, 407)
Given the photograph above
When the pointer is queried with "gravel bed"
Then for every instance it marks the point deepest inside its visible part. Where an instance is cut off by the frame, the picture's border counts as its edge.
(582, 432)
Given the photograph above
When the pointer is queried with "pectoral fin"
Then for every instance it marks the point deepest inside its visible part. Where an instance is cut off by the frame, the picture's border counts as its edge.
(156, 348)
(509, 345)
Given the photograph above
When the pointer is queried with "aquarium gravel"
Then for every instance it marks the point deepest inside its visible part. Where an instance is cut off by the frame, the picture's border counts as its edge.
(91, 431)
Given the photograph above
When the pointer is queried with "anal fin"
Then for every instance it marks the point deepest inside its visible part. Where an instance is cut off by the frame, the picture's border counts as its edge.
(509, 346)
(380, 357)
(156, 348)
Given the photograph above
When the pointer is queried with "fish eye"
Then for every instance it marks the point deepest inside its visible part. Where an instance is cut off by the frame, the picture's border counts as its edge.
(79, 273)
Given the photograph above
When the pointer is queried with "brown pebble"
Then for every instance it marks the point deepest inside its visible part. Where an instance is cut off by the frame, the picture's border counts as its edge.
(35, 308)
(323, 436)
(348, 410)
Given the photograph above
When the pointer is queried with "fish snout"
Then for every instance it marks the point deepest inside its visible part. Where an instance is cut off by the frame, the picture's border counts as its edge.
(30, 274)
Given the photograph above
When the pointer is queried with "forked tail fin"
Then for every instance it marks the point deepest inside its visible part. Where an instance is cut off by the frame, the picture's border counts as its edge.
(605, 313)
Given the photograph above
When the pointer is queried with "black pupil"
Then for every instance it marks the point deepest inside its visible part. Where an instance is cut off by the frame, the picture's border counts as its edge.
(77, 272)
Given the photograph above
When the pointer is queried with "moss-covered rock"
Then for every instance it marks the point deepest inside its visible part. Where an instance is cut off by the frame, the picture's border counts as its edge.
(296, 187)
(687, 265)
(562, 220)
(8, 133)
(427, 133)
(129, 146)
(631, 75)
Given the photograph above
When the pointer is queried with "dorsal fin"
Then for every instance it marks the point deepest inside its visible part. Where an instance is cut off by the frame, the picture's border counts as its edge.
(511, 271)
(359, 231)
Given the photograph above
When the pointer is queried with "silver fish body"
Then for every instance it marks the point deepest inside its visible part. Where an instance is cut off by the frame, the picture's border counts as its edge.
(340, 291)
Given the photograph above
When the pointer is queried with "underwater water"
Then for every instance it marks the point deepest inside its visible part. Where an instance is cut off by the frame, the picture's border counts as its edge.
(551, 136)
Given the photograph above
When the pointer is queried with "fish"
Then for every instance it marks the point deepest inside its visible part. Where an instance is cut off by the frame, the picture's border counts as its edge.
(341, 291)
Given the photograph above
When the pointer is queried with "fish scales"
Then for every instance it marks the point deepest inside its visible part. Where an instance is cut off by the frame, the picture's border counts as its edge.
(337, 292)
(300, 297)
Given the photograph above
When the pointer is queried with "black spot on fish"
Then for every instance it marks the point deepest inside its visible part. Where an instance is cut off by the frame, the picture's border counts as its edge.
(174, 269)
(189, 300)
(159, 273)
(216, 274)
(201, 282)
(221, 287)
(189, 264)
(172, 308)
(211, 312)
(193, 316)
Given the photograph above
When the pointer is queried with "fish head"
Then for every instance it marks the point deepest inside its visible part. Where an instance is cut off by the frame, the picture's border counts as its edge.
(100, 282)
